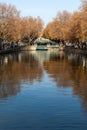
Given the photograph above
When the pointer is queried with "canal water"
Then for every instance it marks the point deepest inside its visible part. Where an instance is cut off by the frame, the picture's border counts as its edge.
(43, 90)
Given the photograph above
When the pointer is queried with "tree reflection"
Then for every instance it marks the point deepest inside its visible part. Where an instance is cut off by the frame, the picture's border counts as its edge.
(17, 68)
(69, 71)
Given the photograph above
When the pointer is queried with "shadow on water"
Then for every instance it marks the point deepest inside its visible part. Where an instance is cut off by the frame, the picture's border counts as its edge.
(65, 70)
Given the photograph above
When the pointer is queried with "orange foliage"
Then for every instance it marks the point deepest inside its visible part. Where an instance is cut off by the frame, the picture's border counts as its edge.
(14, 28)
(67, 26)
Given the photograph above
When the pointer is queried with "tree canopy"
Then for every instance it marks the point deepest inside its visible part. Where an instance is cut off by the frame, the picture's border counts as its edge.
(68, 26)
(65, 25)
(14, 28)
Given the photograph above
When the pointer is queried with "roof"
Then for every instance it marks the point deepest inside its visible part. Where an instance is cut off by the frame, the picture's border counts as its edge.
(43, 41)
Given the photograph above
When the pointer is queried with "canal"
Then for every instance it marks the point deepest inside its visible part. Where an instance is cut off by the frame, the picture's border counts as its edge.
(43, 90)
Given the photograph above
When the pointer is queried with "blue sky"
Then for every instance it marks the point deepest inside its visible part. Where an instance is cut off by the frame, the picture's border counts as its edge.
(46, 9)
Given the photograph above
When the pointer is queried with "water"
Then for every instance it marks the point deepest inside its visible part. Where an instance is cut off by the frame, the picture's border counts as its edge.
(43, 91)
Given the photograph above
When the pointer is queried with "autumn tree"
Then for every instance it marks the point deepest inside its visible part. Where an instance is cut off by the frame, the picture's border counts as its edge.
(63, 18)
(9, 16)
(57, 29)
(30, 28)
(83, 16)
(74, 27)
(15, 28)
(53, 31)
(67, 26)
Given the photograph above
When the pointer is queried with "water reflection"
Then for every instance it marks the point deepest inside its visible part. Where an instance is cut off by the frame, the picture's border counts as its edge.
(66, 70)
(70, 71)
(15, 69)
